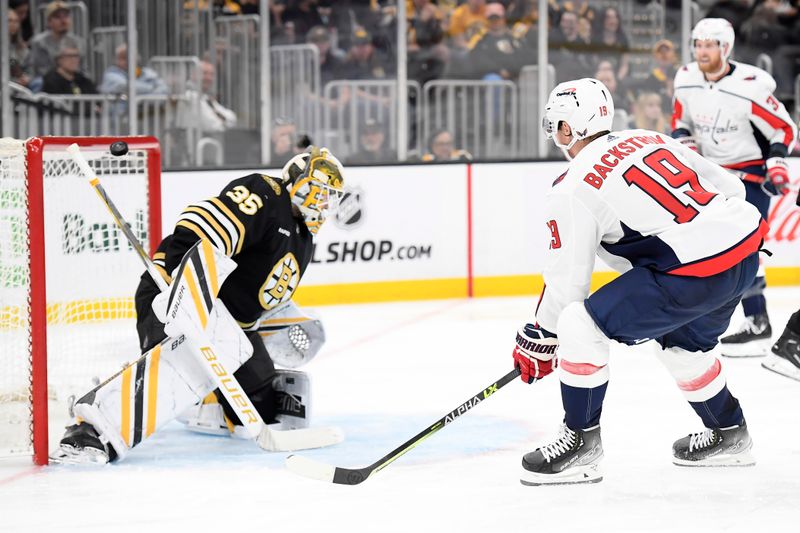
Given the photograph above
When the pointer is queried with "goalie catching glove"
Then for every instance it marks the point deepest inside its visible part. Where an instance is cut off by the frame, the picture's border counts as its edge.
(535, 352)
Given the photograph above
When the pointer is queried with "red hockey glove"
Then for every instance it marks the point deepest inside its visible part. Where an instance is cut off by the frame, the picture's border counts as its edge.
(690, 143)
(535, 352)
(778, 174)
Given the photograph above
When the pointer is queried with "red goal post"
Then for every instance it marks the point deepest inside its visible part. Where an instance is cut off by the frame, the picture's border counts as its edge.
(67, 276)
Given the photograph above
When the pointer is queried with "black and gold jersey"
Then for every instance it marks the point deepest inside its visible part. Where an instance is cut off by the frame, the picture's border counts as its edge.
(252, 222)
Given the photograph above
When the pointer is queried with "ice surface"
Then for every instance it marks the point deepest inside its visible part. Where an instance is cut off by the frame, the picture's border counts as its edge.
(387, 372)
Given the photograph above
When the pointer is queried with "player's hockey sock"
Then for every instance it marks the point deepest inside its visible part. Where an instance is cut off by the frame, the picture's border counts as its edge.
(753, 302)
(720, 411)
(582, 407)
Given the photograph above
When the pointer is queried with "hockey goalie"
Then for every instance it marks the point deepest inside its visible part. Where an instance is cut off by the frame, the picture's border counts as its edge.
(210, 342)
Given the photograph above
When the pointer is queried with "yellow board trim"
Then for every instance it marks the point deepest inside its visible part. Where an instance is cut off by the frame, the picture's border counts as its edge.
(211, 263)
(233, 218)
(188, 274)
(152, 390)
(208, 218)
(125, 418)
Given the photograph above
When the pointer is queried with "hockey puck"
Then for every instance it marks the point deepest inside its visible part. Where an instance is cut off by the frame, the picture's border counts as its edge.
(119, 148)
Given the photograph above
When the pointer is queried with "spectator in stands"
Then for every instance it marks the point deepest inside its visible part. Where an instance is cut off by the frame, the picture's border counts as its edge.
(571, 55)
(18, 51)
(734, 11)
(762, 33)
(622, 101)
(66, 77)
(22, 9)
(363, 61)
(466, 21)
(496, 54)
(45, 46)
(213, 117)
(373, 147)
(115, 78)
(226, 8)
(580, 8)
(249, 7)
(283, 139)
(339, 22)
(331, 60)
(304, 15)
(427, 55)
(611, 43)
(661, 76)
(441, 147)
(648, 113)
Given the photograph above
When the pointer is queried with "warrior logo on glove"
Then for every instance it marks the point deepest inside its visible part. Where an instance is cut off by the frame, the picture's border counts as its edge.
(535, 352)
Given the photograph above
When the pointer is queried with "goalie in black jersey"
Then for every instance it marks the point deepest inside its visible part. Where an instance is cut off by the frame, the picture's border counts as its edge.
(266, 226)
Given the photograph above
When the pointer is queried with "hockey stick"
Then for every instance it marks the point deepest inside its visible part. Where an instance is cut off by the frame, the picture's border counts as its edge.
(264, 436)
(353, 476)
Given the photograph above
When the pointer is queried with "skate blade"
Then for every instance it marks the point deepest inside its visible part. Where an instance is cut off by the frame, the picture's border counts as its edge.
(779, 365)
(576, 476)
(745, 458)
(69, 455)
(758, 348)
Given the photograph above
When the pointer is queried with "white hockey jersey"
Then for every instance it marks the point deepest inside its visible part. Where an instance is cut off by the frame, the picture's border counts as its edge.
(640, 198)
(734, 120)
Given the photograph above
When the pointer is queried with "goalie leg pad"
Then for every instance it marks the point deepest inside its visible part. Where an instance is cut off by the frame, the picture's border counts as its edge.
(131, 405)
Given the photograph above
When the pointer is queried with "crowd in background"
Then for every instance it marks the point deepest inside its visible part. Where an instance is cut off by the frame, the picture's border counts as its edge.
(466, 39)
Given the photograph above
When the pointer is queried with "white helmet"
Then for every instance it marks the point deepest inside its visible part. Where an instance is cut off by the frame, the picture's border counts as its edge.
(585, 104)
(719, 30)
(314, 179)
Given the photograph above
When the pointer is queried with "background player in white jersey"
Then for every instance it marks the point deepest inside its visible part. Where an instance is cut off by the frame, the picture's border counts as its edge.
(679, 229)
(727, 111)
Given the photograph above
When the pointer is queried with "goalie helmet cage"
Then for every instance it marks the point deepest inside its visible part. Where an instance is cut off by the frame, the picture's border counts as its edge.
(65, 266)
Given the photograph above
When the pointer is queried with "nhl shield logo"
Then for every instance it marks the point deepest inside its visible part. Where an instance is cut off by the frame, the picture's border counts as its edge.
(350, 213)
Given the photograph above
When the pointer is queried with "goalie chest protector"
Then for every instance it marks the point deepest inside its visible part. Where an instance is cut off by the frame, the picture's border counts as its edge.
(252, 222)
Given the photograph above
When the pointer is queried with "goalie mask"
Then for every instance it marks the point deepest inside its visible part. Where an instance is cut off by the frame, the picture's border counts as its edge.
(584, 104)
(314, 179)
(719, 30)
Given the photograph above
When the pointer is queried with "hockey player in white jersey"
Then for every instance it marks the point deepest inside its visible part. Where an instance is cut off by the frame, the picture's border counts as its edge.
(679, 229)
(726, 110)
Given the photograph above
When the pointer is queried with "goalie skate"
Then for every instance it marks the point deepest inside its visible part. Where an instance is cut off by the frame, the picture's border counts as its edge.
(81, 445)
(572, 458)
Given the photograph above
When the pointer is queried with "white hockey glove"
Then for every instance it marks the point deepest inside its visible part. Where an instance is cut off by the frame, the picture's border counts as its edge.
(778, 174)
(535, 352)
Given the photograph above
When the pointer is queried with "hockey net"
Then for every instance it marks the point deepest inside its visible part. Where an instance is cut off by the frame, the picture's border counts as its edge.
(67, 277)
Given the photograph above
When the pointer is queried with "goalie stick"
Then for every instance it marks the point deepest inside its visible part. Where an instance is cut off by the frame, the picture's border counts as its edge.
(267, 438)
(353, 476)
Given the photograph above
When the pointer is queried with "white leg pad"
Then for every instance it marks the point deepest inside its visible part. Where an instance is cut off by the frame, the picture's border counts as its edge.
(583, 349)
(699, 375)
(131, 405)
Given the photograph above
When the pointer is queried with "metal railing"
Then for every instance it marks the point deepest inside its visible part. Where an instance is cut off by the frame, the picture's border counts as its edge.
(531, 110)
(102, 48)
(180, 73)
(239, 68)
(295, 75)
(349, 104)
(764, 62)
(482, 115)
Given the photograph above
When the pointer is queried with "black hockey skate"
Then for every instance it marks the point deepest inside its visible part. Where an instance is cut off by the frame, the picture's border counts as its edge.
(572, 458)
(715, 447)
(785, 356)
(82, 445)
(752, 340)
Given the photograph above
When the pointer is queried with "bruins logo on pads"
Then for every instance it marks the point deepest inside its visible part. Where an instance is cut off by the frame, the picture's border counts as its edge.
(281, 282)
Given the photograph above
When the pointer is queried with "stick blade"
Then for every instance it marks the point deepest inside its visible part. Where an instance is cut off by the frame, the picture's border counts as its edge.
(309, 468)
(299, 439)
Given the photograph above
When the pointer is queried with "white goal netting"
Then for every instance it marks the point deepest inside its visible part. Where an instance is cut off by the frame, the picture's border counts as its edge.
(91, 277)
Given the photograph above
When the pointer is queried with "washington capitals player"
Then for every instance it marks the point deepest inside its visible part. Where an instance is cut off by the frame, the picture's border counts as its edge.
(727, 111)
(679, 229)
